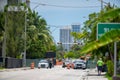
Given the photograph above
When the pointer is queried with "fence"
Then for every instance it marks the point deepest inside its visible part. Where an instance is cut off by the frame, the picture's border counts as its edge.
(13, 63)
(17, 63)
(1, 61)
(29, 61)
(36, 61)
(91, 64)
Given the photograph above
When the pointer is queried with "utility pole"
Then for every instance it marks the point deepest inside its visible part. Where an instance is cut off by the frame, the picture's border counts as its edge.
(24, 57)
(115, 58)
(4, 42)
(101, 5)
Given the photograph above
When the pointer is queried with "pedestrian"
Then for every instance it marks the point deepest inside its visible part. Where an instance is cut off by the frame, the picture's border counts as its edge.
(50, 64)
(100, 64)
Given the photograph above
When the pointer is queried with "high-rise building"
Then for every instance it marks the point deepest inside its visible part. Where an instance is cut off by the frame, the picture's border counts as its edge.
(65, 38)
(75, 28)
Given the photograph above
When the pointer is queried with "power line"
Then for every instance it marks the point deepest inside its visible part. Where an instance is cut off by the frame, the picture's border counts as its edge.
(55, 27)
(62, 6)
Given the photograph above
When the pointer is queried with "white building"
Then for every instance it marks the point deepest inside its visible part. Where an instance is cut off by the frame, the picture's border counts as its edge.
(65, 36)
(75, 28)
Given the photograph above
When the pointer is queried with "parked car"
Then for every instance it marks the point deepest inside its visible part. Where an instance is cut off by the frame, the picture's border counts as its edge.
(81, 64)
(43, 64)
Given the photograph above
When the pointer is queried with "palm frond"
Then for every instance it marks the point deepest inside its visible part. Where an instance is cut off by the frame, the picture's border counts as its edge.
(107, 38)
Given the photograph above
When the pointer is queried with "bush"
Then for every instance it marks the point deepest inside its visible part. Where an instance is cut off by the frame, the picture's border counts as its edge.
(110, 68)
(108, 77)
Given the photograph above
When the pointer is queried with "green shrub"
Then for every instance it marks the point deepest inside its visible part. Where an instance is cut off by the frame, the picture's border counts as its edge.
(110, 68)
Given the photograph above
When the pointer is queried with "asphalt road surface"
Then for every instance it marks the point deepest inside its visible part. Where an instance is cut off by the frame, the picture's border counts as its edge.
(56, 73)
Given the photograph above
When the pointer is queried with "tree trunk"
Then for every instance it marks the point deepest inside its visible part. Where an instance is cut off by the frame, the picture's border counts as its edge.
(110, 54)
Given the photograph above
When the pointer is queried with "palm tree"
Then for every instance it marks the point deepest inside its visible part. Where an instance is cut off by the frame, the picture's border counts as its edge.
(38, 36)
(106, 39)
(109, 14)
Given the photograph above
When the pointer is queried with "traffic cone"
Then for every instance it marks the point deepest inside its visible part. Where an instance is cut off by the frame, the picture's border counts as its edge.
(68, 66)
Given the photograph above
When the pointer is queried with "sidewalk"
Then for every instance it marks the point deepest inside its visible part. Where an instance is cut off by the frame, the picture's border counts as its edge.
(15, 69)
(93, 75)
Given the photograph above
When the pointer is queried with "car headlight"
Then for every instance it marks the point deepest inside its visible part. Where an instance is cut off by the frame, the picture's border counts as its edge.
(84, 65)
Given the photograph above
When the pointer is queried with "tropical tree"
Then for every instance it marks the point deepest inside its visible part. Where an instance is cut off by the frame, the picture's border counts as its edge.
(78, 40)
(104, 43)
(38, 36)
(14, 31)
(107, 15)
(60, 51)
(2, 21)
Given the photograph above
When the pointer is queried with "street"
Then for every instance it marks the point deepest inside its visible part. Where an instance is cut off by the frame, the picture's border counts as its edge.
(56, 73)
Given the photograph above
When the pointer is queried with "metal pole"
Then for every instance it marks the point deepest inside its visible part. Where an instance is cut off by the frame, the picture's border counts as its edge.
(4, 43)
(115, 59)
(101, 5)
(24, 58)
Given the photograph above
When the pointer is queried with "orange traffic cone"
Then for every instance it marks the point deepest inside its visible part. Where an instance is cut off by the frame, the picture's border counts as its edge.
(72, 65)
(32, 65)
(68, 66)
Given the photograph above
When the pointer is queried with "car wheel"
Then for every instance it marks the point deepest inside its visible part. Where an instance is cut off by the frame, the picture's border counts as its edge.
(84, 68)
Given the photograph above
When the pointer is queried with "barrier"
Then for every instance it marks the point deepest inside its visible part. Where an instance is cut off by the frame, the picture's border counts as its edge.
(32, 65)
(68, 66)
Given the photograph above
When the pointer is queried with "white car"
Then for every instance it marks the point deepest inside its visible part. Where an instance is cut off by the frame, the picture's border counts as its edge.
(43, 64)
(79, 64)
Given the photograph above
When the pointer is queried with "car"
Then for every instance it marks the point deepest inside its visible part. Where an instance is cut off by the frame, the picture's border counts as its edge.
(65, 63)
(43, 64)
(81, 64)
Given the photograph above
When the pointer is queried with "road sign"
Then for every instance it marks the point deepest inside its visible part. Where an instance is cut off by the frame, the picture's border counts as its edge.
(105, 27)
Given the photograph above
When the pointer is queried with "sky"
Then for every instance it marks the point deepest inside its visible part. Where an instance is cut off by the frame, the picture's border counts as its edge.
(61, 13)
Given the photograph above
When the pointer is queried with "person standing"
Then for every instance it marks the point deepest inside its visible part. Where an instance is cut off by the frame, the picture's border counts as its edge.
(50, 64)
(100, 64)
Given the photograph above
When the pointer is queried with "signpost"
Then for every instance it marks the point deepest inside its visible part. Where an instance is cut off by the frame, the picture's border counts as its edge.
(105, 27)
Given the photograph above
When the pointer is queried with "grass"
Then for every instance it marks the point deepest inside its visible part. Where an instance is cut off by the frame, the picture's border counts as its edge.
(1, 68)
(109, 77)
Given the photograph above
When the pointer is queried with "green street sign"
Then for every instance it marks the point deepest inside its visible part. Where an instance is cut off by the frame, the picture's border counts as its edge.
(105, 27)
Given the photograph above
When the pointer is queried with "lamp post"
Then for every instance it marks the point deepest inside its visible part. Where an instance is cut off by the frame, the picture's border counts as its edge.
(4, 43)
(24, 57)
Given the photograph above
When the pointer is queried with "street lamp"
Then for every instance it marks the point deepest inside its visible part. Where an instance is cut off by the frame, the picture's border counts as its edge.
(24, 57)
(4, 43)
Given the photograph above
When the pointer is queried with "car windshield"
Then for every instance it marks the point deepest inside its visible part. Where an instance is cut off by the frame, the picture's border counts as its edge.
(78, 61)
(67, 61)
(43, 61)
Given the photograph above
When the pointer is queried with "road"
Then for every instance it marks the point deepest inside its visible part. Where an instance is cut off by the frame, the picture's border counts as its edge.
(56, 73)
